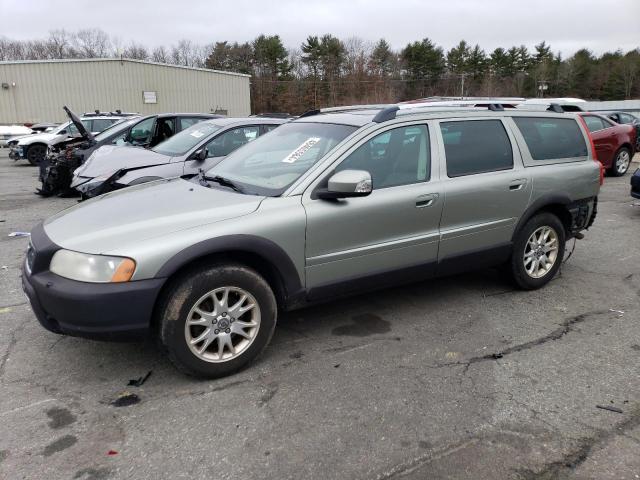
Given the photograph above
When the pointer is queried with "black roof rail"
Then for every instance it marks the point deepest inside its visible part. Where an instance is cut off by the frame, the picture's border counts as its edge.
(496, 107)
(555, 107)
(310, 113)
(386, 114)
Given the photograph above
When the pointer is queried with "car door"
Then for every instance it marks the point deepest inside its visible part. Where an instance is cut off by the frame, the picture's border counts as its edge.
(393, 229)
(486, 189)
(604, 138)
(220, 146)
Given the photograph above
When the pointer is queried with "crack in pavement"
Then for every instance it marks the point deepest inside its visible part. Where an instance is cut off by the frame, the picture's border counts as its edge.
(12, 344)
(567, 465)
(566, 327)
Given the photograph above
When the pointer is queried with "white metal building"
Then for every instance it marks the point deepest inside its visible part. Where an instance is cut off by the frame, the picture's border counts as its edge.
(35, 91)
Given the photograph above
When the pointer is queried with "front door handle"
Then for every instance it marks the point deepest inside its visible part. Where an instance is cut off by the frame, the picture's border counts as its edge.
(426, 200)
(518, 184)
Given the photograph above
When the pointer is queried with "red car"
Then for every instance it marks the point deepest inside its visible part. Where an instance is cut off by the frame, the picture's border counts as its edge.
(615, 143)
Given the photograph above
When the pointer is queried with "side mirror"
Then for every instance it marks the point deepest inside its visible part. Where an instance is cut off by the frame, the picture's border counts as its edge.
(62, 132)
(200, 155)
(347, 183)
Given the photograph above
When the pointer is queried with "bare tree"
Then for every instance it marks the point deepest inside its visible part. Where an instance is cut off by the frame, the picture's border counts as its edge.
(160, 55)
(136, 52)
(92, 43)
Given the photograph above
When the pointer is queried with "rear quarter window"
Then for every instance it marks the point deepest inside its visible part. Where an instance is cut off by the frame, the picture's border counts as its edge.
(552, 138)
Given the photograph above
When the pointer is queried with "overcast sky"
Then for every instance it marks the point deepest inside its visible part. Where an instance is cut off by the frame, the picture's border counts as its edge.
(567, 25)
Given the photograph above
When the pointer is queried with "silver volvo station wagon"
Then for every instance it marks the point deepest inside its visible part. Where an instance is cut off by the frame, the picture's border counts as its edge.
(336, 202)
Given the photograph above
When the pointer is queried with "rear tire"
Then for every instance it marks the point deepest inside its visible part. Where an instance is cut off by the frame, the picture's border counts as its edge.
(214, 320)
(35, 154)
(621, 162)
(538, 251)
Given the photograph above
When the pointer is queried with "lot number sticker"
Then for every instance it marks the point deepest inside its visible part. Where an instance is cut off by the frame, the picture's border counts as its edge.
(301, 150)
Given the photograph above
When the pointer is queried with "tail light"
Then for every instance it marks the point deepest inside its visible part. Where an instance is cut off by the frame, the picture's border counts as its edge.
(593, 149)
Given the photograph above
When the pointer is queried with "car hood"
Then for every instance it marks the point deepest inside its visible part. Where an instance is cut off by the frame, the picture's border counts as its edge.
(110, 158)
(78, 123)
(131, 215)
(37, 138)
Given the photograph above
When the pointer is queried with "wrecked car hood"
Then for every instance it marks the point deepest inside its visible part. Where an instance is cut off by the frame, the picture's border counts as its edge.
(79, 125)
(153, 209)
(109, 158)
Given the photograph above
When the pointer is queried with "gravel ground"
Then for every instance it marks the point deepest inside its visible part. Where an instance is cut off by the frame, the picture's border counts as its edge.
(461, 377)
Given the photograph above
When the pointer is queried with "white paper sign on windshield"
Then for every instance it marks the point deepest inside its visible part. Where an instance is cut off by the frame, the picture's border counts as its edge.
(301, 150)
(197, 134)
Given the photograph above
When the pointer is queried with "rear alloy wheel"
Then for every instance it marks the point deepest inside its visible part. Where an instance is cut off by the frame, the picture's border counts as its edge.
(36, 153)
(216, 319)
(621, 162)
(538, 251)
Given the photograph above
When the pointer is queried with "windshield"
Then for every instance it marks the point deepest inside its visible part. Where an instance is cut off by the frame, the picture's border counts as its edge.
(61, 127)
(270, 164)
(184, 141)
(115, 128)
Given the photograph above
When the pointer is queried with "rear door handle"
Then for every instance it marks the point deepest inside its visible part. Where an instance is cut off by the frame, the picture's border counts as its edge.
(426, 200)
(518, 184)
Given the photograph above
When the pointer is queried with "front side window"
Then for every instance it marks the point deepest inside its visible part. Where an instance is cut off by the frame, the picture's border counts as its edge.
(272, 163)
(224, 144)
(476, 146)
(552, 138)
(624, 118)
(187, 139)
(396, 157)
(594, 123)
(141, 132)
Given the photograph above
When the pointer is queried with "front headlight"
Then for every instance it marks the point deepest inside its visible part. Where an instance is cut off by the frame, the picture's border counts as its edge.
(86, 267)
(91, 183)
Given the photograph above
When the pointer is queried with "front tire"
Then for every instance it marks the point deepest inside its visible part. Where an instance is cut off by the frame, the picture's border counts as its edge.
(214, 320)
(538, 251)
(35, 154)
(621, 162)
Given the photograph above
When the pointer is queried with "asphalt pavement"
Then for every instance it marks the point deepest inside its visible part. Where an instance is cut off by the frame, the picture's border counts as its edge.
(456, 378)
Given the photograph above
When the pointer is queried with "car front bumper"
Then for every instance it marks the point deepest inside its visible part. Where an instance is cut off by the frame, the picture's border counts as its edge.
(16, 153)
(103, 311)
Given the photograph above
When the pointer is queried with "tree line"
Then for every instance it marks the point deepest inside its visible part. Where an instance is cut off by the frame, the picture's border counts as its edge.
(329, 71)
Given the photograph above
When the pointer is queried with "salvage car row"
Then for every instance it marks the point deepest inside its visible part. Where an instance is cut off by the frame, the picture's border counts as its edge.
(88, 154)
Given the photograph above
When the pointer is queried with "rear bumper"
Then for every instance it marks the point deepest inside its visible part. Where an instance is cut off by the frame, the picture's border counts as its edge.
(106, 311)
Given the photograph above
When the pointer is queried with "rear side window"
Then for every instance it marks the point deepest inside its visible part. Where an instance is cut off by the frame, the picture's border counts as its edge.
(476, 146)
(552, 138)
(186, 122)
(100, 124)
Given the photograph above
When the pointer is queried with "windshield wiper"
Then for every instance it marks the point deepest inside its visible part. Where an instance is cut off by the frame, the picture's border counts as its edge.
(225, 182)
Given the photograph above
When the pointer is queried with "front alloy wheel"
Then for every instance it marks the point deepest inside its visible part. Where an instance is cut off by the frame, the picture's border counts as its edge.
(216, 318)
(222, 324)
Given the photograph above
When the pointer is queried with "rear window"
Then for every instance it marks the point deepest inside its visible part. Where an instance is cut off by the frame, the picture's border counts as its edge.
(476, 146)
(552, 138)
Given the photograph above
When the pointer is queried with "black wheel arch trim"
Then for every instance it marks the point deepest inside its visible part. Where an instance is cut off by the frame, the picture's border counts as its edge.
(540, 204)
(266, 250)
